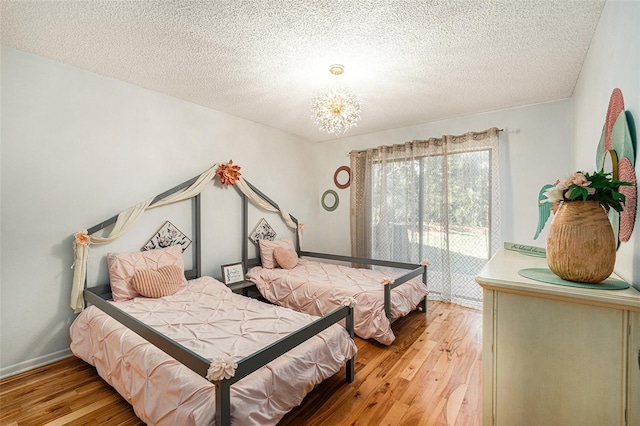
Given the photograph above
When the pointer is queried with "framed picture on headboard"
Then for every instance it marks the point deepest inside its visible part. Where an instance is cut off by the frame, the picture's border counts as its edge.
(168, 235)
(263, 231)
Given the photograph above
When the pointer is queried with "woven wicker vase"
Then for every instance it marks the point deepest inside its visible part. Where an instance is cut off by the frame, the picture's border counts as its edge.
(581, 246)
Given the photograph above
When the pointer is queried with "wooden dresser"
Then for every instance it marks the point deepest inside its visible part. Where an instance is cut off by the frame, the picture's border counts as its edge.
(557, 355)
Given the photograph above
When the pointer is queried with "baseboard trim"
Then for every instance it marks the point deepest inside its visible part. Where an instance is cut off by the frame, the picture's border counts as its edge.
(23, 366)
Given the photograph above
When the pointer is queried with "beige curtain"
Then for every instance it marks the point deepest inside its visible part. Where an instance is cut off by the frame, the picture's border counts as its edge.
(435, 200)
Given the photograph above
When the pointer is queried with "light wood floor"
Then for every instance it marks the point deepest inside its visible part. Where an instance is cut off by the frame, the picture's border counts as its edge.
(431, 375)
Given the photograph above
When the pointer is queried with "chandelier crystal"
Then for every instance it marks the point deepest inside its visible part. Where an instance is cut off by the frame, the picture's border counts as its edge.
(337, 109)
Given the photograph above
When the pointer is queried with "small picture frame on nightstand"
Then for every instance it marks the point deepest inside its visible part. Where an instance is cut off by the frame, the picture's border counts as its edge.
(232, 273)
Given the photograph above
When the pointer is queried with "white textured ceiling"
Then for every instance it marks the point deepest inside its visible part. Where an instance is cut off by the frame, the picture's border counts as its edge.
(410, 61)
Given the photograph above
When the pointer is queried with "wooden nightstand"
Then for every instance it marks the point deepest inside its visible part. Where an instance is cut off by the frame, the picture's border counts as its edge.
(241, 285)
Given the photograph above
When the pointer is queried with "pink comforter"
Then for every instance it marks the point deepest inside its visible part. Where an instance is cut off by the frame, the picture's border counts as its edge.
(318, 288)
(212, 321)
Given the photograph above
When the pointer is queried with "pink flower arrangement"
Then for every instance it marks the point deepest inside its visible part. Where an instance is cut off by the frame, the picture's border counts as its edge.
(598, 186)
(228, 173)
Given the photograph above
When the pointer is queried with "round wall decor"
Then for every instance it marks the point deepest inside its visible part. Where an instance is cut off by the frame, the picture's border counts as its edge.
(616, 153)
(334, 203)
(345, 169)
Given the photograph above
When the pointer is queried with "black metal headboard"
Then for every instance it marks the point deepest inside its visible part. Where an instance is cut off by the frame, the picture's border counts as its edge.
(196, 270)
(245, 227)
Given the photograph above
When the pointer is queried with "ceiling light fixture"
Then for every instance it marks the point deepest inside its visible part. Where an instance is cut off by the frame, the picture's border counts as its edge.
(336, 109)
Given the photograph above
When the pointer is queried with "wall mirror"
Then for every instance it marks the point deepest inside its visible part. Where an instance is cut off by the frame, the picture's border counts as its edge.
(610, 163)
(342, 177)
(330, 200)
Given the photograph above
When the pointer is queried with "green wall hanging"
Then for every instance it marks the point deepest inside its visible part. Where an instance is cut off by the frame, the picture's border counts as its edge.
(327, 197)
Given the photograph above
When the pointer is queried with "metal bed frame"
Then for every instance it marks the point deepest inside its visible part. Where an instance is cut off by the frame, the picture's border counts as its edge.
(99, 295)
(415, 270)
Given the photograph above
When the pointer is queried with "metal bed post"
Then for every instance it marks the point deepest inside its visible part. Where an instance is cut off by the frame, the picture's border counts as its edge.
(198, 240)
(387, 300)
(245, 231)
(223, 407)
(350, 367)
(423, 302)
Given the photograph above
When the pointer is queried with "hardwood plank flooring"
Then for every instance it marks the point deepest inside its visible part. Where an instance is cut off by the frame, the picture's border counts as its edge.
(430, 375)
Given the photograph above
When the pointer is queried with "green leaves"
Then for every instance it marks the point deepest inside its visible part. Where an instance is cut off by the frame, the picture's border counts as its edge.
(601, 188)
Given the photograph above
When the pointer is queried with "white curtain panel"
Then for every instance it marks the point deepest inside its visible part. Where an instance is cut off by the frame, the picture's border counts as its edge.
(435, 200)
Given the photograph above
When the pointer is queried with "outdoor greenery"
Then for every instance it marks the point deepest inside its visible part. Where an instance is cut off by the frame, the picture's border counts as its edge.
(435, 208)
(418, 206)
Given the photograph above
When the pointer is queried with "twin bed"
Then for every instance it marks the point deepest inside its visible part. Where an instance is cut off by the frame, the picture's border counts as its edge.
(209, 320)
(175, 354)
(317, 288)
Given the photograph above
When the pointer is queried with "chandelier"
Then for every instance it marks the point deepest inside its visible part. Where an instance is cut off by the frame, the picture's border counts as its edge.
(337, 109)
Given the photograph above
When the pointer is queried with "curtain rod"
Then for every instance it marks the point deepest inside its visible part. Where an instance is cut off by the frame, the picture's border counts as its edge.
(454, 136)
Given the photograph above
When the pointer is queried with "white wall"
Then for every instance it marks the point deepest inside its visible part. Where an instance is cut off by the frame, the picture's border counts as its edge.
(613, 61)
(78, 148)
(535, 148)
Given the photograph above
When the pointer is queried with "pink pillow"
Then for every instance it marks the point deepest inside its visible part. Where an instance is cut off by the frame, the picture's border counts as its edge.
(163, 282)
(266, 251)
(122, 266)
(286, 258)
